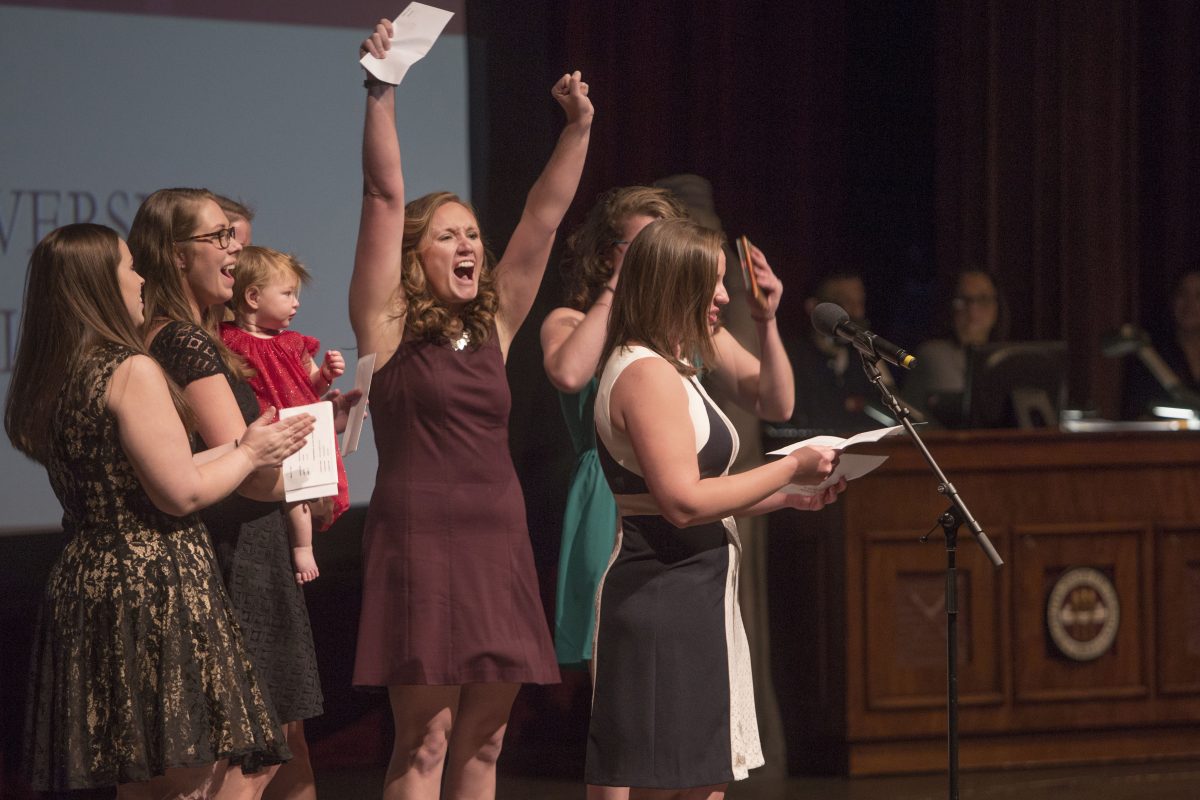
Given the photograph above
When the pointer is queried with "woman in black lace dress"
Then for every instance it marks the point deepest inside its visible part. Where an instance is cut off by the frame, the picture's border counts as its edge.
(139, 675)
(183, 245)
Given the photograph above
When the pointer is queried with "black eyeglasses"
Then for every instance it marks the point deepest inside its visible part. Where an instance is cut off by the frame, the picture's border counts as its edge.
(220, 238)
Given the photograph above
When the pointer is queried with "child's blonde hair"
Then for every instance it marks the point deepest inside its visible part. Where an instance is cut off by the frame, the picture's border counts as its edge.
(257, 267)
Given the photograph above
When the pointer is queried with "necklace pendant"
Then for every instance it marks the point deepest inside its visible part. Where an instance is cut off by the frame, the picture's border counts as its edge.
(461, 342)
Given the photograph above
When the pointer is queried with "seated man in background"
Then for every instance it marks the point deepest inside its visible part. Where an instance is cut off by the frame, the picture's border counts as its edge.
(832, 390)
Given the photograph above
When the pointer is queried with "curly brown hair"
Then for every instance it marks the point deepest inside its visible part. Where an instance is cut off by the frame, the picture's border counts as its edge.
(426, 316)
(587, 267)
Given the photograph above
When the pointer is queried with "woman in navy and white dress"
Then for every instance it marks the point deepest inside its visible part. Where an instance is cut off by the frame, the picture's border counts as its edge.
(673, 705)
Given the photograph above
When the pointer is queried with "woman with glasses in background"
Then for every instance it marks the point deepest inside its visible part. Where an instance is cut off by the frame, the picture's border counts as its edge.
(185, 247)
(938, 379)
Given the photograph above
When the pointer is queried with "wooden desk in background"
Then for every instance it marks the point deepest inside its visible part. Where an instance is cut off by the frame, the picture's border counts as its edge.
(1110, 672)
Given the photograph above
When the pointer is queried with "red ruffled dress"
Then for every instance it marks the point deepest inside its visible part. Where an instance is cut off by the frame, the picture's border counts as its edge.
(282, 380)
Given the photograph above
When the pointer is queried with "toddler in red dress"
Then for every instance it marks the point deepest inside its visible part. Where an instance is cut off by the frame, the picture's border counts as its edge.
(266, 295)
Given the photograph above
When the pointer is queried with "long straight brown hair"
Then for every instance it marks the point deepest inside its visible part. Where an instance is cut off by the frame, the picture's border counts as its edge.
(72, 304)
(666, 287)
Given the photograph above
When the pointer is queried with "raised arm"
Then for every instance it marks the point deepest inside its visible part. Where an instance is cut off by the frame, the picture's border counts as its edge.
(375, 289)
(572, 343)
(156, 443)
(764, 386)
(650, 404)
(519, 272)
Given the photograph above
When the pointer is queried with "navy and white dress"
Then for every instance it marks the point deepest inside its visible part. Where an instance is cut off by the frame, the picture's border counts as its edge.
(673, 703)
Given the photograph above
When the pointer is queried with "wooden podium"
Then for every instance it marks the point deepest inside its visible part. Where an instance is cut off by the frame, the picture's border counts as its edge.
(1084, 647)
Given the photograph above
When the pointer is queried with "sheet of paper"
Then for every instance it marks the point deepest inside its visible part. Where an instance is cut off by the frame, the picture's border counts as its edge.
(413, 33)
(362, 381)
(838, 443)
(311, 471)
(850, 466)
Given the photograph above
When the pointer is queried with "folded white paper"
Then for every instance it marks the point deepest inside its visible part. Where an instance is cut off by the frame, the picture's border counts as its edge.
(311, 471)
(413, 33)
(363, 372)
(838, 443)
(850, 465)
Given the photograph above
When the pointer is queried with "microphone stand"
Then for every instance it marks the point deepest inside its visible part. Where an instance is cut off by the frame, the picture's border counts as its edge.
(949, 521)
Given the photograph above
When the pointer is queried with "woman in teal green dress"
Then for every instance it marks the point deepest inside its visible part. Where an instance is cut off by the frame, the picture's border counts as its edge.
(572, 338)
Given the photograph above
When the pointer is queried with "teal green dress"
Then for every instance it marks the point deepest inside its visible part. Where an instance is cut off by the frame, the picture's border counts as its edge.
(589, 532)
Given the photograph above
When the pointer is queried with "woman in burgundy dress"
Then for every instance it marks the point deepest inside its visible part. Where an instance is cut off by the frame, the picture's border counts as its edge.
(451, 621)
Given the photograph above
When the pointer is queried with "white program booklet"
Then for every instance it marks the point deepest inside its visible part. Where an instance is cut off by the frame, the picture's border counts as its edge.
(850, 465)
(413, 33)
(363, 372)
(311, 472)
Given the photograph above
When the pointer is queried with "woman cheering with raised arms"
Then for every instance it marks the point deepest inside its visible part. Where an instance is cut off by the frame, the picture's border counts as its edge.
(451, 621)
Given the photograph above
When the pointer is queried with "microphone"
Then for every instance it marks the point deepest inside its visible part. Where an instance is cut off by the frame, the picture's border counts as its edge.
(833, 321)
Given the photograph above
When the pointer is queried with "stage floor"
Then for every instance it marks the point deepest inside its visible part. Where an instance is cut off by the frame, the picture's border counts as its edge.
(1159, 781)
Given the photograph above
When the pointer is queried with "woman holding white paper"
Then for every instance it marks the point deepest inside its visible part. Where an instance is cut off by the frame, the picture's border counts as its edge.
(452, 623)
(140, 675)
(184, 246)
(572, 339)
(673, 705)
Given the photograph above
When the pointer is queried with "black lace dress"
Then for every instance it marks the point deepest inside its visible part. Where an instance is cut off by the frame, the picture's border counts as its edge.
(252, 547)
(138, 664)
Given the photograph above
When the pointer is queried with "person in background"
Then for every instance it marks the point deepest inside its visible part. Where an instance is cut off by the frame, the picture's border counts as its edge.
(240, 216)
(937, 381)
(452, 622)
(140, 676)
(572, 336)
(832, 390)
(1180, 352)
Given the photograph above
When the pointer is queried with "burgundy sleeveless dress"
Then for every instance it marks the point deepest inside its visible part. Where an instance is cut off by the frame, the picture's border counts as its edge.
(450, 592)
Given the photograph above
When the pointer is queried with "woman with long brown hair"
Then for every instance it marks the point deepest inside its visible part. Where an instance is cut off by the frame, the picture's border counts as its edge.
(452, 623)
(140, 677)
(673, 705)
(186, 248)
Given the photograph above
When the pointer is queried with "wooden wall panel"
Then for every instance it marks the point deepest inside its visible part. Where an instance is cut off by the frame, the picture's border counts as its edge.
(906, 625)
(1124, 504)
(1177, 592)
(1042, 555)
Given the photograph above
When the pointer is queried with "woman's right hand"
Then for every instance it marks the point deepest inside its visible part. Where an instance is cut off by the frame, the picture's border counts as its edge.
(379, 42)
(813, 464)
(268, 443)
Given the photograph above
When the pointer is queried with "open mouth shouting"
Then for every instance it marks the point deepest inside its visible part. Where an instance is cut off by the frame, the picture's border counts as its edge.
(464, 271)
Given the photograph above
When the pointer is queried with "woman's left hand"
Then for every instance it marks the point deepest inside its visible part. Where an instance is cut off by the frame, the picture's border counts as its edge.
(572, 94)
(770, 288)
(815, 502)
